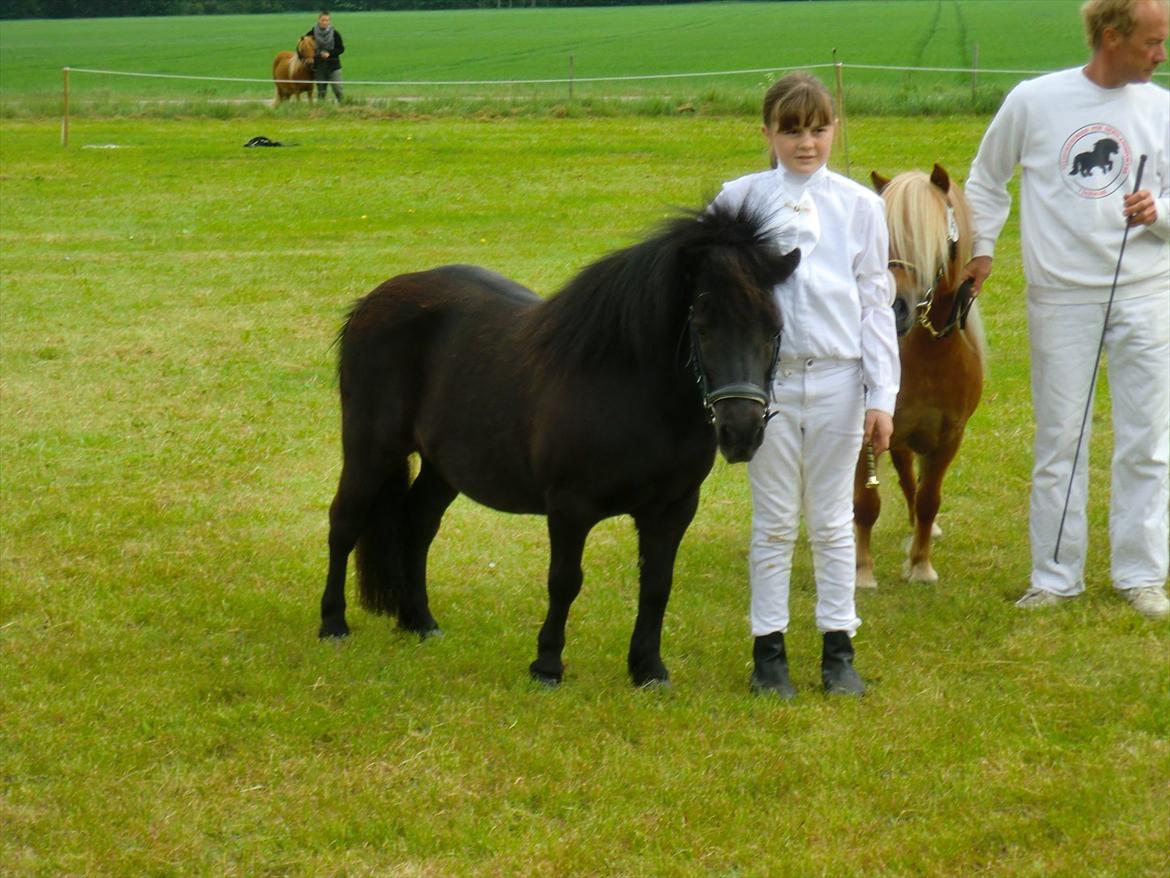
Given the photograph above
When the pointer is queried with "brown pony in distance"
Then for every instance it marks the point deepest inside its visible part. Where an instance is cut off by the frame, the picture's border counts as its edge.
(298, 66)
(942, 352)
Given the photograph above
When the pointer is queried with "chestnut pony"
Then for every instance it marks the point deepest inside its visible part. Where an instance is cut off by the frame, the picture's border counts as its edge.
(942, 351)
(298, 66)
(608, 398)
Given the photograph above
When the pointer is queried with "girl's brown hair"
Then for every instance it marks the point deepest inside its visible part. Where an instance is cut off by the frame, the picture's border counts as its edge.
(798, 100)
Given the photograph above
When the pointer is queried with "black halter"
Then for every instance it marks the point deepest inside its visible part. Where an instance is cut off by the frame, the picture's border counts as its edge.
(735, 390)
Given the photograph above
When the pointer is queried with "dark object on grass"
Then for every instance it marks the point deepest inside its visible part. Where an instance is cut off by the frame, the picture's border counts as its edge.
(263, 141)
(609, 398)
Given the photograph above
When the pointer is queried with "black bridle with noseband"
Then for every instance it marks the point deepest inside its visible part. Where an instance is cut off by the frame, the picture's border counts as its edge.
(737, 389)
(963, 300)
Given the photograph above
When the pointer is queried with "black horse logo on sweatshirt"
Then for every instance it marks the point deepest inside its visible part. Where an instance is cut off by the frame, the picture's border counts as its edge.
(1100, 156)
(1095, 160)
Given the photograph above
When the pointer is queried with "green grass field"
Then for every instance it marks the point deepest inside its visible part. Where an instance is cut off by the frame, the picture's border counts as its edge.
(525, 44)
(169, 447)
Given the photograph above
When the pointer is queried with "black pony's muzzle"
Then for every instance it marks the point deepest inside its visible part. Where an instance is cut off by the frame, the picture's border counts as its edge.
(739, 427)
(738, 409)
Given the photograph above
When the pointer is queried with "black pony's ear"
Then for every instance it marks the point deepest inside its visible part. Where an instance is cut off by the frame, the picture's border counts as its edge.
(879, 181)
(780, 266)
(788, 263)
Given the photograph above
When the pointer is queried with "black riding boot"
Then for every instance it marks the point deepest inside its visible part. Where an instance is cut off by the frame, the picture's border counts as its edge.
(770, 675)
(837, 665)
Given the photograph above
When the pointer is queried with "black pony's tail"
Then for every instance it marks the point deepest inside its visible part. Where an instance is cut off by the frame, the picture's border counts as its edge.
(379, 551)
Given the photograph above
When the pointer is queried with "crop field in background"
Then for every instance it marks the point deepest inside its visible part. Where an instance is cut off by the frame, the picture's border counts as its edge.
(526, 44)
(169, 447)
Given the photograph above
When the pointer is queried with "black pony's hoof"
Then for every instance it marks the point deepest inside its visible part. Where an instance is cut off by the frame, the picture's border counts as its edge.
(425, 628)
(333, 630)
(659, 684)
(649, 674)
(547, 679)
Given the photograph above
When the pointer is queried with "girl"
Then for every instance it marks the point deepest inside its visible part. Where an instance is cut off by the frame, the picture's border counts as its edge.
(835, 384)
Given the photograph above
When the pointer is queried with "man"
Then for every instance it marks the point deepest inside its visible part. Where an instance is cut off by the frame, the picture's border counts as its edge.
(1078, 136)
(326, 67)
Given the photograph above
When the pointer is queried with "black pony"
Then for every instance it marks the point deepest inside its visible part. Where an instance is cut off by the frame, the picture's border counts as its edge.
(608, 398)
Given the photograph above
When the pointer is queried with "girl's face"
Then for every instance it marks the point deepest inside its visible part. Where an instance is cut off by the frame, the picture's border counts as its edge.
(801, 150)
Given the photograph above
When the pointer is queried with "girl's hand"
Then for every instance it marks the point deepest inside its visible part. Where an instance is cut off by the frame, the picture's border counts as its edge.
(879, 426)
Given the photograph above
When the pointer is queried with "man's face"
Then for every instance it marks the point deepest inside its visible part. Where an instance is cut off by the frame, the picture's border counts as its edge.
(323, 21)
(1137, 56)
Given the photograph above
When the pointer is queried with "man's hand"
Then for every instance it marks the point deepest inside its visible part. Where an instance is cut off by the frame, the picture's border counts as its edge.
(977, 271)
(1140, 208)
(879, 426)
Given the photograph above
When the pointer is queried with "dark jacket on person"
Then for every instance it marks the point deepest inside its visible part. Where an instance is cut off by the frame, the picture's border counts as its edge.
(332, 62)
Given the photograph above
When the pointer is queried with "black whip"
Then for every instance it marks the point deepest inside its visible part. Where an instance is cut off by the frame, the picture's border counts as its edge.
(1096, 365)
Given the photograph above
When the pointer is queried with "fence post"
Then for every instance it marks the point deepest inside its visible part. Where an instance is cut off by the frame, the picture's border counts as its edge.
(974, 73)
(837, 65)
(65, 111)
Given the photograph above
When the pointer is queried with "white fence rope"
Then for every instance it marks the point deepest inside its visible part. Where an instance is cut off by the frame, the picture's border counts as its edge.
(571, 80)
(436, 82)
(978, 71)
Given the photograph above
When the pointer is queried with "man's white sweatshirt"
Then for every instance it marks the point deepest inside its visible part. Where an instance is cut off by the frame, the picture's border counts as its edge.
(1078, 147)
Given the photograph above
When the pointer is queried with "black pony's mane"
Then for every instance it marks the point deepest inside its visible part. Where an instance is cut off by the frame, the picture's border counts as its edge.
(627, 305)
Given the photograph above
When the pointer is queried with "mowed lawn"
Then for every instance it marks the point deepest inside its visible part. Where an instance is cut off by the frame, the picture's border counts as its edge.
(168, 450)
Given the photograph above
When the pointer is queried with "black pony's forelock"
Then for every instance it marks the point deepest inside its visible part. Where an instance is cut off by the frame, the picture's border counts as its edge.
(627, 305)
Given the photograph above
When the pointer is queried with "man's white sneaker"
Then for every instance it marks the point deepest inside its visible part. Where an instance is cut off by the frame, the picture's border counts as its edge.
(1150, 601)
(1034, 598)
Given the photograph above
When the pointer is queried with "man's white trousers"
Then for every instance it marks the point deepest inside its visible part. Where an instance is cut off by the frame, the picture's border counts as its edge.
(1064, 339)
(806, 465)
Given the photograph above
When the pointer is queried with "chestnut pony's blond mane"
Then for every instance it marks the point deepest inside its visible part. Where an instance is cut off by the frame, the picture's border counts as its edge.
(916, 214)
(917, 218)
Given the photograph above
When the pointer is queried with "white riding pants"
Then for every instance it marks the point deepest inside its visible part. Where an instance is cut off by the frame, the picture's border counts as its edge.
(1064, 340)
(806, 466)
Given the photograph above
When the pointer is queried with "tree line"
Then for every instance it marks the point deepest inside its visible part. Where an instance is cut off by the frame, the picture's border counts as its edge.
(118, 8)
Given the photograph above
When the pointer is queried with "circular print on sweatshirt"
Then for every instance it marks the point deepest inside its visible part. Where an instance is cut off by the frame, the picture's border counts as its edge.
(1095, 160)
